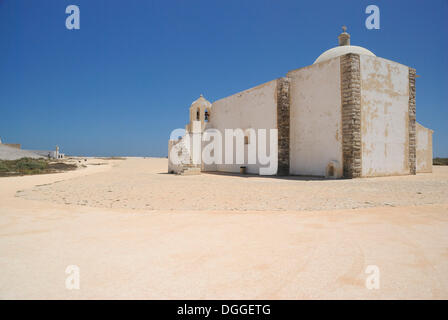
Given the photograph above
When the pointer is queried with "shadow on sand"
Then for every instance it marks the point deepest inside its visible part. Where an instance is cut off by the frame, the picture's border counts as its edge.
(251, 175)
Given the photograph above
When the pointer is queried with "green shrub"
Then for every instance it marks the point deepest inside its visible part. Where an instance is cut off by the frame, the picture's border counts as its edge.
(23, 166)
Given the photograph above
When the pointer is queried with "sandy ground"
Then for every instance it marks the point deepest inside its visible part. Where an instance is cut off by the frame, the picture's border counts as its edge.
(136, 232)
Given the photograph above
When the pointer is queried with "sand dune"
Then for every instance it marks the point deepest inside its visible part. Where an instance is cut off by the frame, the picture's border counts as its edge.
(136, 232)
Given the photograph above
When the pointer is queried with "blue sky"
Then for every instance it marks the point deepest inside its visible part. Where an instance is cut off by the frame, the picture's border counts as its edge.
(121, 83)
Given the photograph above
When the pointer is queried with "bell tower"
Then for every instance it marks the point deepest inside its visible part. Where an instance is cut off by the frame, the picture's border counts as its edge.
(200, 113)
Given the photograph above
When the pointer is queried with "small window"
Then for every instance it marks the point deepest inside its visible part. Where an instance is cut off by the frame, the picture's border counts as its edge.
(197, 115)
(207, 115)
(246, 139)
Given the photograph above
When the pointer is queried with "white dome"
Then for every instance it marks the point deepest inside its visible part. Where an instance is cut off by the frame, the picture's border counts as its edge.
(341, 50)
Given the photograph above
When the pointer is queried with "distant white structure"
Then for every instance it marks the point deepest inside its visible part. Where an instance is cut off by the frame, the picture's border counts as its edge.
(51, 154)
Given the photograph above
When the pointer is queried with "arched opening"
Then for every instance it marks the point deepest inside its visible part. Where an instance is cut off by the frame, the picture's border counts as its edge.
(197, 115)
(206, 115)
(331, 171)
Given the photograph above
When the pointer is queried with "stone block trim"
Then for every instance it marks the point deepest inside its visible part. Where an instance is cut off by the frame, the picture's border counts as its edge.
(351, 115)
(412, 126)
(283, 125)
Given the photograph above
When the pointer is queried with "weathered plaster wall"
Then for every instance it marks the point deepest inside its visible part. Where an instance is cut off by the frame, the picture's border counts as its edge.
(183, 153)
(172, 168)
(316, 123)
(253, 108)
(424, 148)
(384, 117)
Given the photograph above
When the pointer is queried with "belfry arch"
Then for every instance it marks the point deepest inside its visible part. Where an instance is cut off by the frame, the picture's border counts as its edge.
(200, 110)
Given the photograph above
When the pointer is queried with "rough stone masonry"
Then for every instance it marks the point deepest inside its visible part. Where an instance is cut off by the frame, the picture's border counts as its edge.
(351, 115)
(412, 118)
(283, 124)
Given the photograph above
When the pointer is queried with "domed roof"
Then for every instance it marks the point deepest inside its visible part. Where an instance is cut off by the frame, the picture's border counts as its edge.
(201, 102)
(341, 50)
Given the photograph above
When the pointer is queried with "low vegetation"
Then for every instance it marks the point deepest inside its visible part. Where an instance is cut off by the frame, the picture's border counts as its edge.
(440, 161)
(26, 166)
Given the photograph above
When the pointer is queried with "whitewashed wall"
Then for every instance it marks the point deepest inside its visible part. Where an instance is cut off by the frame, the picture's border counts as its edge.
(316, 123)
(385, 117)
(182, 150)
(424, 148)
(253, 108)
